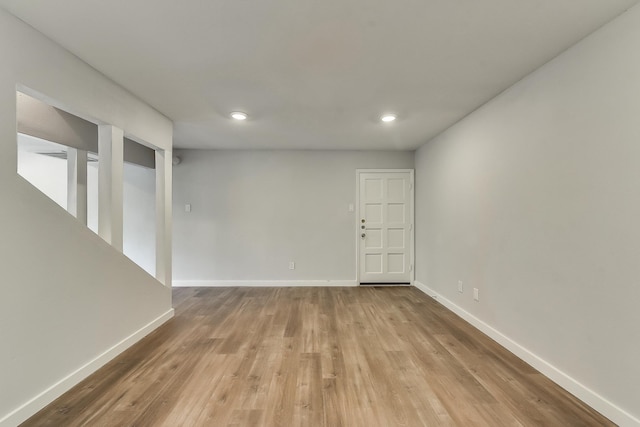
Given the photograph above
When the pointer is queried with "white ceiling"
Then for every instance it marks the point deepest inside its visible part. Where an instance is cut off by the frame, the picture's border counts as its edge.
(315, 74)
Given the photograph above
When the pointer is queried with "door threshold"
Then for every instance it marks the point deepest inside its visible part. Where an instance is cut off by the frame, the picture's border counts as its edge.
(384, 284)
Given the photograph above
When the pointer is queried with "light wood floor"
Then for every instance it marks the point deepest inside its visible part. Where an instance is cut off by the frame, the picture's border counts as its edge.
(315, 357)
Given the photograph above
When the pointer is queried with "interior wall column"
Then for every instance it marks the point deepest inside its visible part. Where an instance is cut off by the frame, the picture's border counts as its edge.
(163, 215)
(77, 183)
(110, 184)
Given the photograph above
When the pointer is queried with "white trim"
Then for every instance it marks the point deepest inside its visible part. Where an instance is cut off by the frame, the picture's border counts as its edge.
(164, 171)
(412, 230)
(262, 283)
(588, 396)
(383, 170)
(30, 408)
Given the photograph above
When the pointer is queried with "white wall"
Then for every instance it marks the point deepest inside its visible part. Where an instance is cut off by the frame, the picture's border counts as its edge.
(535, 200)
(68, 299)
(49, 175)
(139, 216)
(254, 211)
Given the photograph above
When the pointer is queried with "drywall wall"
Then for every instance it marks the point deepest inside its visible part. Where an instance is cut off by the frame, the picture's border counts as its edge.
(139, 215)
(254, 211)
(49, 175)
(46, 173)
(533, 199)
(41, 120)
(69, 300)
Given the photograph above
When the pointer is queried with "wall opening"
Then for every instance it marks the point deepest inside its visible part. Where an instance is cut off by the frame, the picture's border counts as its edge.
(67, 159)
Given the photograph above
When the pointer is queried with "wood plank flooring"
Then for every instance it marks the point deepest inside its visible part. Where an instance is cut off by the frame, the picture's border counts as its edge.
(315, 357)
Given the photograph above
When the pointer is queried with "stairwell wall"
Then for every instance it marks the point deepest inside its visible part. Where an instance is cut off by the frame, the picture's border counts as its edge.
(70, 302)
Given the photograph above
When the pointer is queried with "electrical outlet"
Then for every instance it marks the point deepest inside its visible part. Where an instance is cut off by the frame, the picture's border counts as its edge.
(292, 265)
(460, 287)
(476, 294)
(187, 207)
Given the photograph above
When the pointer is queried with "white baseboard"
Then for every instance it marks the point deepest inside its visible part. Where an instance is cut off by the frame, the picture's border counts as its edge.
(591, 398)
(30, 408)
(262, 283)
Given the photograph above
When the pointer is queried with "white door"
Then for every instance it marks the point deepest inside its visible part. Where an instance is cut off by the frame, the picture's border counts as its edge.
(385, 226)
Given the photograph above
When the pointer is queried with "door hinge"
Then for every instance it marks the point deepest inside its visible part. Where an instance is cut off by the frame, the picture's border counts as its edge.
(411, 227)
(411, 186)
(411, 267)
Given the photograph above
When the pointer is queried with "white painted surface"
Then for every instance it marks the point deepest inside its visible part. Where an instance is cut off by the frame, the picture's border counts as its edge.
(533, 199)
(92, 196)
(110, 184)
(164, 192)
(139, 216)
(384, 226)
(40, 120)
(264, 283)
(48, 174)
(316, 74)
(68, 297)
(254, 211)
(77, 183)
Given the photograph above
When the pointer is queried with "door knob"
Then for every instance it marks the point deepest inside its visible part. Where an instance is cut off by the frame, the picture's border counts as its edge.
(363, 235)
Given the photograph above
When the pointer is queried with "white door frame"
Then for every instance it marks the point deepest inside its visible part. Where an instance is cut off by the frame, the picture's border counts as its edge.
(412, 229)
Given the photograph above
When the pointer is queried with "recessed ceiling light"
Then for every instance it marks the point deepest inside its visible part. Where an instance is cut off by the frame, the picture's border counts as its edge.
(388, 117)
(239, 115)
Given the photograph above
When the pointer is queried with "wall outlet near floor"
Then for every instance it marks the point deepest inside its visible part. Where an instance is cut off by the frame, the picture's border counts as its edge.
(292, 265)
(476, 294)
(460, 287)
